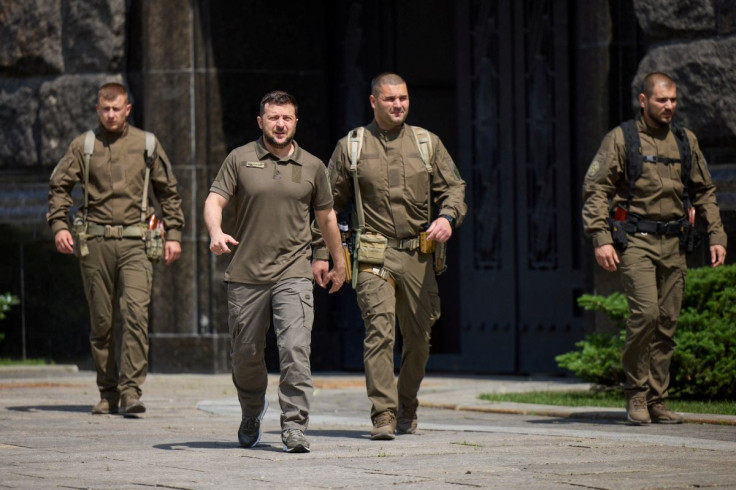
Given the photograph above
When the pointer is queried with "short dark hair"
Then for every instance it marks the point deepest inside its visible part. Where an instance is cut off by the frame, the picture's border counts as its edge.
(652, 79)
(111, 91)
(387, 78)
(279, 97)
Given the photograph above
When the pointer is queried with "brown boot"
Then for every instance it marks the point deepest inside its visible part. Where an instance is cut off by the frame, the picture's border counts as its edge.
(636, 409)
(131, 404)
(661, 414)
(105, 406)
(384, 426)
(406, 419)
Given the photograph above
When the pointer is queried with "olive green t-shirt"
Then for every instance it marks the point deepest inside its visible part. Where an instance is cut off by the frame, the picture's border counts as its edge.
(272, 200)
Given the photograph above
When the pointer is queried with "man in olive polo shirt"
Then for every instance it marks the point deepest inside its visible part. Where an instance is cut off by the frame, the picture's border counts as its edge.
(274, 183)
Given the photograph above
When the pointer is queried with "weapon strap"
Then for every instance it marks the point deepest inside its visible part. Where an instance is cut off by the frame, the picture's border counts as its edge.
(89, 146)
(150, 146)
(424, 143)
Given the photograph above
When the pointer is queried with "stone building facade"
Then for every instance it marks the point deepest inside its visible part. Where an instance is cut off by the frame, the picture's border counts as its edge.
(196, 70)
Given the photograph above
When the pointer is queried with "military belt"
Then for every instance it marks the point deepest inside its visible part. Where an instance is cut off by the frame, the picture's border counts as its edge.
(379, 271)
(115, 231)
(656, 227)
(404, 244)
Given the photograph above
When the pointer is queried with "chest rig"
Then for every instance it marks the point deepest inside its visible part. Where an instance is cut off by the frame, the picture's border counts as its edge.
(624, 221)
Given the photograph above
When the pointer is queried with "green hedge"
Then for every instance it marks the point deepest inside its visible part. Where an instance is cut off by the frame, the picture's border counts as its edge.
(704, 362)
(6, 301)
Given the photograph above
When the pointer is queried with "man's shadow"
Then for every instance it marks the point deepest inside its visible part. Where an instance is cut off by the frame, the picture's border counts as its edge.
(51, 408)
(262, 446)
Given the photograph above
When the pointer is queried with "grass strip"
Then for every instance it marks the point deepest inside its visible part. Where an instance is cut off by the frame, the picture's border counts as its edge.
(601, 399)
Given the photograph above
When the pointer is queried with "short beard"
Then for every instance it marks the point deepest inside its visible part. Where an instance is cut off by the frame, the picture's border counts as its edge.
(276, 144)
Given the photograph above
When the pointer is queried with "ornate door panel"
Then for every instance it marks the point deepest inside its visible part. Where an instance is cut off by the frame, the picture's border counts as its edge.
(519, 279)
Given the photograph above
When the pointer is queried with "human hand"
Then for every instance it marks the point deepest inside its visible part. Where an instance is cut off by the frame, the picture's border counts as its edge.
(717, 255)
(319, 271)
(219, 243)
(172, 251)
(440, 230)
(64, 242)
(337, 277)
(607, 257)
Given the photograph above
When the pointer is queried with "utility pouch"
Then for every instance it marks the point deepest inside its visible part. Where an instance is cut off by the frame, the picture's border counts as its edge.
(689, 237)
(372, 248)
(154, 238)
(348, 262)
(618, 233)
(440, 258)
(426, 246)
(79, 235)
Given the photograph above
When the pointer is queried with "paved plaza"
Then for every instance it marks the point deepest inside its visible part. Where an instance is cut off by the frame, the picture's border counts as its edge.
(187, 439)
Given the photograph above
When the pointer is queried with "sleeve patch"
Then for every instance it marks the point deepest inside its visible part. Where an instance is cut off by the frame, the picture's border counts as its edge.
(594, 168)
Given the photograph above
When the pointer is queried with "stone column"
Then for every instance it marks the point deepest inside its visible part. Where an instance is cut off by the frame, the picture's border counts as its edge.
(174, 103)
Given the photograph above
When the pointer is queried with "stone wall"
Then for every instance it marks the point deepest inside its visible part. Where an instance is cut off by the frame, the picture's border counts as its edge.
(695, 42)
(54, 54)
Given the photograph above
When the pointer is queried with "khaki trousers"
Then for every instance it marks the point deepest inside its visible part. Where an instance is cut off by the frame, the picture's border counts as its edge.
(117, 276)
(416, 303)
(653, 270)
(290, 303)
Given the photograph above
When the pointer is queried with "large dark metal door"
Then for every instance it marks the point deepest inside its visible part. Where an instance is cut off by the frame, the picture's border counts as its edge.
(519, 278)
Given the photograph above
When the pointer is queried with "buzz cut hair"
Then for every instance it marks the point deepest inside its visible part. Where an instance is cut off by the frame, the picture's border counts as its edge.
(653, 79)
(111, 91)
(279, 97)
(386, 78)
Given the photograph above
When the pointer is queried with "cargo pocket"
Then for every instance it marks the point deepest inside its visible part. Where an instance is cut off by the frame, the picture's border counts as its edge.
(307, 301)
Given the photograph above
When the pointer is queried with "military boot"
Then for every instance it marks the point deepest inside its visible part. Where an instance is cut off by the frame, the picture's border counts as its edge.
(384, 426)
(406, 419)
(661, 414)
(636, 409)
(105, 406)
(131, 404)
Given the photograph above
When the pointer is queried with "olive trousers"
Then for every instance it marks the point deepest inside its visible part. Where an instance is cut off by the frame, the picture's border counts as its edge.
(117, 276)
(653, 270)
(290, 303)
(416, 303)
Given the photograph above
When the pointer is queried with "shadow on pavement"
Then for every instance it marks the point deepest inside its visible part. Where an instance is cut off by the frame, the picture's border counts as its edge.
(52, 408)
(598, 418)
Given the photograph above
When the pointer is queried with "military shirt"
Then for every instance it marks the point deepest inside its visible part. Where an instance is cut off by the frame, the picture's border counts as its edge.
(394, 182)
(658, 193)
(116, 179)
(273, 198)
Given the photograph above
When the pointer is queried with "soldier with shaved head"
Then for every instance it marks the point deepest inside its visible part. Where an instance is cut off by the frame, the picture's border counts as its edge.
(641, 195)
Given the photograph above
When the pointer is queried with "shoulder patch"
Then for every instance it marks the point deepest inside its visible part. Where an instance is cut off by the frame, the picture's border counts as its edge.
(594, 168)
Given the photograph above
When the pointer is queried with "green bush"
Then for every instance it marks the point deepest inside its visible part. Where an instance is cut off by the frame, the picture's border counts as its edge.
(6, 301)
(704, 361)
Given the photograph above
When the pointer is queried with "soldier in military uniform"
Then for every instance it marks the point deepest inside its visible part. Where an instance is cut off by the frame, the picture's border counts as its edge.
(395, 185)
(113, 257)
(648, 223)
(274, 183)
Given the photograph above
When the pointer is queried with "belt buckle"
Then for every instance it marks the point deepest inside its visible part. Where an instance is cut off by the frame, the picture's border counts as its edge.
(113, 231)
